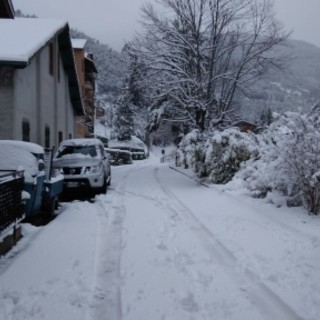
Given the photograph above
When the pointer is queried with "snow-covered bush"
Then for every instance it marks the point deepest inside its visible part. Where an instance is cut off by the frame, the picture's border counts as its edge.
(226, 151)
(289, 161)
(297, 140)
(260, 175)
(191, 152)
(216, 157)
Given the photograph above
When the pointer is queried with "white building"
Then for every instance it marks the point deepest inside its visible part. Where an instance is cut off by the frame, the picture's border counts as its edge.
(39, 90)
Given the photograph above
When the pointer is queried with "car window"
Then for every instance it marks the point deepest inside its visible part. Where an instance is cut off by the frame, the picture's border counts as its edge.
(103, 154)
(77, 150)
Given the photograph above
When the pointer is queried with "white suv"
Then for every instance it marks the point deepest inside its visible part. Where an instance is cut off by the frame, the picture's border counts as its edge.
(84, 164)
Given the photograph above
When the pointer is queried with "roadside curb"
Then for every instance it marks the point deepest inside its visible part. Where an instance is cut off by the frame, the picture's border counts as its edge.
(189, 176)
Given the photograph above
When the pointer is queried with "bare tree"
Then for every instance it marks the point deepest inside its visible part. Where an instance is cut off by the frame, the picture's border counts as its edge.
(201, 52)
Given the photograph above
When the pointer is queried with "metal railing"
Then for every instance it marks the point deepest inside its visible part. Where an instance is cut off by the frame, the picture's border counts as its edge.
(168, 158)
(48, 156)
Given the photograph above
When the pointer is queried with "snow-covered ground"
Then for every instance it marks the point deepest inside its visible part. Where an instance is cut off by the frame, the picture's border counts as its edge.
(159, 246)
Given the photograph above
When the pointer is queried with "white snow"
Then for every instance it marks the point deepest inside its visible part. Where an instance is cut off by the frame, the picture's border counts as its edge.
(101, 130)
(160, 246)
(21, 38)
(19, 155)
(78, 43)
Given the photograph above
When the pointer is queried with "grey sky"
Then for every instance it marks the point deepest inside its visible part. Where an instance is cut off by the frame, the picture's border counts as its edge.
(114, 21)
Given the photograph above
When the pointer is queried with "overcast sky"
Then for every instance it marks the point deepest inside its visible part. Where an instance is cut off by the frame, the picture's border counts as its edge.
(114, 21)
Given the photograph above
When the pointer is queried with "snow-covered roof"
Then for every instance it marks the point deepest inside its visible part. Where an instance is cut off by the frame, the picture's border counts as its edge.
(78, 43)
(22, 38)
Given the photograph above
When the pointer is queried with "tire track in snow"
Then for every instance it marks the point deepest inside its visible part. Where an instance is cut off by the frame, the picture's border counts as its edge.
(314, 238)
(106, 298)
(260, 295)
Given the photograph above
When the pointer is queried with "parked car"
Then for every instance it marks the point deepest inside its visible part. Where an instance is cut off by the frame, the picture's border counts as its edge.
(84, 164)
(138, 155)
(119, 157)
(42, 188)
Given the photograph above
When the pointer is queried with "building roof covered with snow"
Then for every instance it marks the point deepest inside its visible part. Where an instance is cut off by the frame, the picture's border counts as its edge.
(22, 38)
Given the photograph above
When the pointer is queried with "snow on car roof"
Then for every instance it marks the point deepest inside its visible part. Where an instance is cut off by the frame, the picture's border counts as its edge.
(18, 155)
(134, 142)
(30, 146)
(80, 142)
(21, 38)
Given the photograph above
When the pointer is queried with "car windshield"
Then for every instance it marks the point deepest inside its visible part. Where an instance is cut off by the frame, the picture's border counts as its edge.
(77, 150)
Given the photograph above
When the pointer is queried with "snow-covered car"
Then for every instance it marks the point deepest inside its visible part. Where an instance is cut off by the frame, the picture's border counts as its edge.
(119, 157)
(42, 187)
(84, 164)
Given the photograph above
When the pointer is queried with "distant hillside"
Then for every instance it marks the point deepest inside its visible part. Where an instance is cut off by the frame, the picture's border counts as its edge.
(296, 87)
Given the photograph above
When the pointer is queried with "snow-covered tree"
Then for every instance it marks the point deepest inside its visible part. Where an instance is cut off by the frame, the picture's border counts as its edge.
(201, 52)
(124, 119)
(191, 152)
(297, 141)
(135, 90)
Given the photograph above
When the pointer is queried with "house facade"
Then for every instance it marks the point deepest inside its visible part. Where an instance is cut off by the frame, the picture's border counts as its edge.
(89, 92)
(79, 55)
(40, 96)
(86, 71)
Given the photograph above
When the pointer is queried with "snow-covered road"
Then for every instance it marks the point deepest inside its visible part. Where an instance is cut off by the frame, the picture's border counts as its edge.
(159, 246)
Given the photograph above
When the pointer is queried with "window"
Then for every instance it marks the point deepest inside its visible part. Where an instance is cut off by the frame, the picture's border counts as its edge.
(47, 137)
(51, 58)
(70, 135)
(25, 130)
(60, 136)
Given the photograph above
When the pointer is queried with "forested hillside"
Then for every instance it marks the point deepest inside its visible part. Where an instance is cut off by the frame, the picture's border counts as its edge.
(293, 88)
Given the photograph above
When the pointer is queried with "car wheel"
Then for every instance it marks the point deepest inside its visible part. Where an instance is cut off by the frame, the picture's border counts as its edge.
(50, 205)
(103, 189)
(109, 180)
